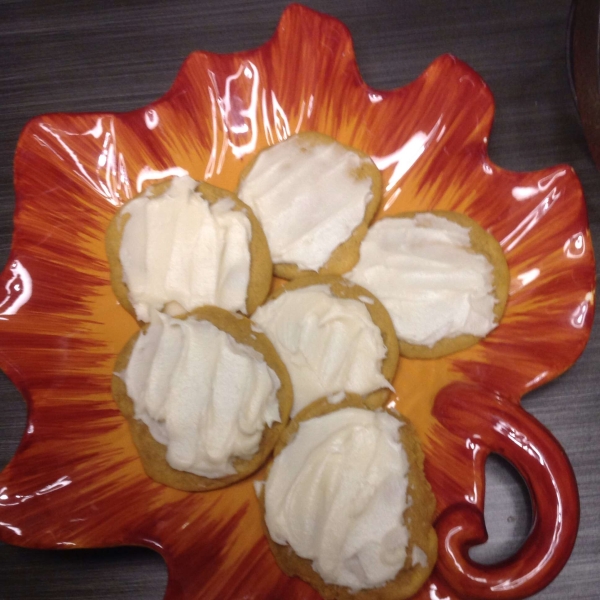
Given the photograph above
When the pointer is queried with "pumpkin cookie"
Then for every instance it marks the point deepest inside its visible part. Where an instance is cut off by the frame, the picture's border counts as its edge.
(206, 397)
(333, 337)
(183, 244)
(346, 505)
(442, 277)
(315, 199)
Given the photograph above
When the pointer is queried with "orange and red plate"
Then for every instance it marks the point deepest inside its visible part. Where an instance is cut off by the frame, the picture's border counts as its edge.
(76, 480)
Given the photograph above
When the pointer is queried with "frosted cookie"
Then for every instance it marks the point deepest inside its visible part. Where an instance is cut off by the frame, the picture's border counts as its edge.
(333, 337)
(183, 244)
(346, 505)
(443, 279)
(315, 199)
(206, 398)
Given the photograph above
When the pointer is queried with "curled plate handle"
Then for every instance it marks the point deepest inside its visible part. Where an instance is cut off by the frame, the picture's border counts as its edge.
(505, 428)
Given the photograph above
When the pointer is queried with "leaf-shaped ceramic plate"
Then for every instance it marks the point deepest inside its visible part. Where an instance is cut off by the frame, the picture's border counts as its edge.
(76, 480)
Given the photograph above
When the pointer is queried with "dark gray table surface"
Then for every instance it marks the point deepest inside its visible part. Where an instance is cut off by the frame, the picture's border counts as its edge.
(114, 56)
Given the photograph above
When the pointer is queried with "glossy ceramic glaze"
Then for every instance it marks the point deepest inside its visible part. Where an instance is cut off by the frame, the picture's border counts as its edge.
(76, 480)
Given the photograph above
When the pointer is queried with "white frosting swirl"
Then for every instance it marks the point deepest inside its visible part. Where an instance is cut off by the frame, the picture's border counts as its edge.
(337, 494)
(201, 393)
(177, 247)
(307, 198)
(427, 276)
(328, 344)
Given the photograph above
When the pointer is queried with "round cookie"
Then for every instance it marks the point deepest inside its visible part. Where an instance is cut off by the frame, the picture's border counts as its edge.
(418, 518)
(346, 254)
(153, 453)
(261, 269)
(342, 288)
(482, 243)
